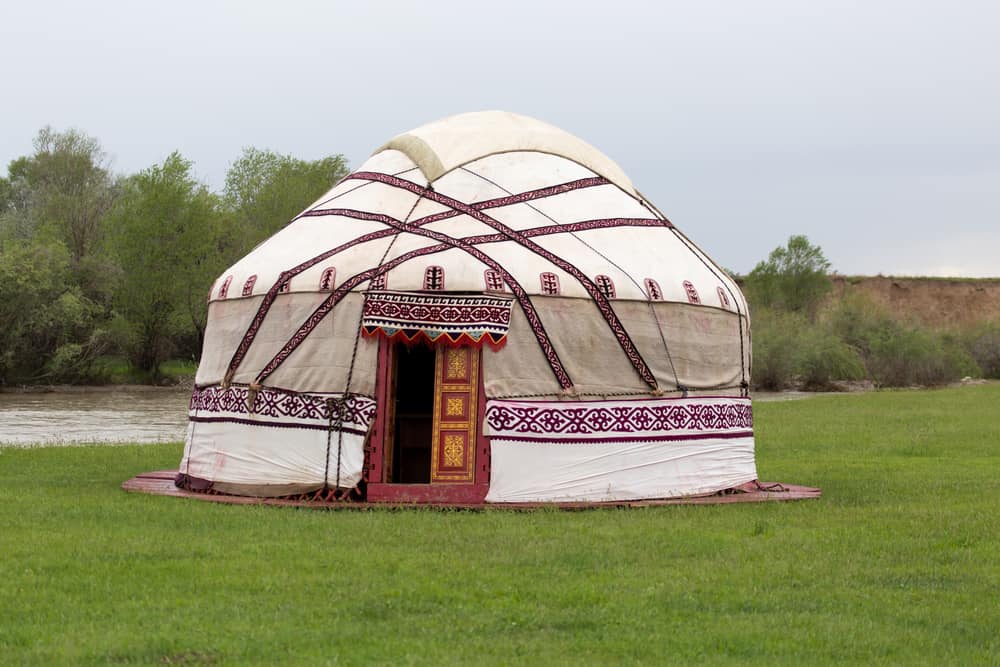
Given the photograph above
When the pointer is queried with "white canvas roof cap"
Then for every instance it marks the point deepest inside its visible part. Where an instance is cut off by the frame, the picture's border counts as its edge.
(447, 144)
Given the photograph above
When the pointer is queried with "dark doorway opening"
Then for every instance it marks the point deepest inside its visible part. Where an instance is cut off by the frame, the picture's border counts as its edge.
(414, 414)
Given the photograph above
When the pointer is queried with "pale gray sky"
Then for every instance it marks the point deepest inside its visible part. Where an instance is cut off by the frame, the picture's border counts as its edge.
(873, 127)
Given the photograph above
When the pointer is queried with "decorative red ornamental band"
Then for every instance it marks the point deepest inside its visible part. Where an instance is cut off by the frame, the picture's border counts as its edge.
(452, 320)
(661, 419)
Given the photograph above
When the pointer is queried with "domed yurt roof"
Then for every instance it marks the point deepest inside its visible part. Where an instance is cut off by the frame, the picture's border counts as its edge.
(536, 186)
(504, 239)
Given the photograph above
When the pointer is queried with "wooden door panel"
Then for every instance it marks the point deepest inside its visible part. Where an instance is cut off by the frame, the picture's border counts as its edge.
(456, 391)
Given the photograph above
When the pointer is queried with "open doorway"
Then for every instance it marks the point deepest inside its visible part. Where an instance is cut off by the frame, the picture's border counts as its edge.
(413, 417)
(427, 445)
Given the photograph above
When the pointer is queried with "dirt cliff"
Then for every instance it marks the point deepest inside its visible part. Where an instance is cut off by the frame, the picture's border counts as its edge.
(940, 303)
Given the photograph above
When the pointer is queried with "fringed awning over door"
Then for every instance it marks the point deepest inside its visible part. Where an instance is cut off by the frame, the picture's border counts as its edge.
(455, 319)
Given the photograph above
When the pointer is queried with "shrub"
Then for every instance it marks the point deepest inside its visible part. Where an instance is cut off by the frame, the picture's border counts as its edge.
(790, 351)
(774, 344)
(822, 357)
(904, 356)
(983, 344)
(857, 321)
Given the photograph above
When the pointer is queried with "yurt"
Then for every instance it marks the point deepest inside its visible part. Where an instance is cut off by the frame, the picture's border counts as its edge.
(486, 311)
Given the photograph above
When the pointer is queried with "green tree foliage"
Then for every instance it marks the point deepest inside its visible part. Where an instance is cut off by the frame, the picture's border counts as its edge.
(49, 331)
(798, 345)
(794, 278)
(265, 190)
(791, 351)
(61, 192)
(92, 263)
(983, 343)
(897, 353)
(56, 283)
(6, 196)
(164, 233)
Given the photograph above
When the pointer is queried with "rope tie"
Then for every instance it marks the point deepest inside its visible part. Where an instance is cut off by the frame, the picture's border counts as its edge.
(336, 407)
(252, 392)
(330, 402)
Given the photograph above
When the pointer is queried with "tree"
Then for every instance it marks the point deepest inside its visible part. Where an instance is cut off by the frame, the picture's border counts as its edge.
(164, 232)
(793, 278)
(49, 331)
(265, 190)
(62, 191)
(6, 195)
(55, 292)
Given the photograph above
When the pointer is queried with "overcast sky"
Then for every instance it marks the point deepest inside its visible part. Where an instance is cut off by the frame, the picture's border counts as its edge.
(872, 127)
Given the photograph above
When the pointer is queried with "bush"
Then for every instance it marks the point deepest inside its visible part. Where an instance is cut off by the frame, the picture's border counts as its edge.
(822, 357)
(983, 344)
(774, 344)
(857, 341)
(903, 357)
(789, 351)
(857, 321)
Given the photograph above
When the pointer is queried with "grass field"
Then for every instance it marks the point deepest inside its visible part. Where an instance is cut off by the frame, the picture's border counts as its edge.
(898, 563)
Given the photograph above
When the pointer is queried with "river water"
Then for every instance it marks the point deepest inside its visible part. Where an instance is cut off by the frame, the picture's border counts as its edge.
(119, 415)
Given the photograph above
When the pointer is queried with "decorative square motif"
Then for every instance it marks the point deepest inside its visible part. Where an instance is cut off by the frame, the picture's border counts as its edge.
(457, 367)
(454, 451)
(454, 407)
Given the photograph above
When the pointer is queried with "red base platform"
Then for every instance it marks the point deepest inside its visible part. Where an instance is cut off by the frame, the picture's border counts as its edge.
(161, 483)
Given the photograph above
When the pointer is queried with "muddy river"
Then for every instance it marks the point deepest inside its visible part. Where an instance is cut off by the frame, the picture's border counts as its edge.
(119, 415)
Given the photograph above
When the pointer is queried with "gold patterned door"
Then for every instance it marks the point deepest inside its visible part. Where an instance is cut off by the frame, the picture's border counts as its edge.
(456, 390)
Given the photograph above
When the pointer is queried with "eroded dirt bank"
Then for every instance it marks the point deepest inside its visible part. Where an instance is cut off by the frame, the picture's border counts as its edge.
(940, 303)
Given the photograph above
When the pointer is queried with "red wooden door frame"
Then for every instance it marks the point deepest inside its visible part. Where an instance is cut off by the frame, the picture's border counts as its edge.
(379, 489)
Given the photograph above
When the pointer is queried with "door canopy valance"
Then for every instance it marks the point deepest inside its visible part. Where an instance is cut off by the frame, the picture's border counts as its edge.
(451, 320)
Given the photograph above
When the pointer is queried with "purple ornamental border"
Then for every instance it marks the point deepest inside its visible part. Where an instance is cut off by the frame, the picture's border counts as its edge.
(669, 419)
(276, 404)
(622, 439)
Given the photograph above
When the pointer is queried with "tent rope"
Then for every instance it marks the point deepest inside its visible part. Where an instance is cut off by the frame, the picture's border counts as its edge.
(341, 402)
(331, 408)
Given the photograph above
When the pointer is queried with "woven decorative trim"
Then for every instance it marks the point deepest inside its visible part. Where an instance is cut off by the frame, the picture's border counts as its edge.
(452, 319)
(619, 421)
(283, 409)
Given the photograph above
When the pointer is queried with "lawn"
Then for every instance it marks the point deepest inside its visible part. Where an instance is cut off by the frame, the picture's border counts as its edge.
(898, 563)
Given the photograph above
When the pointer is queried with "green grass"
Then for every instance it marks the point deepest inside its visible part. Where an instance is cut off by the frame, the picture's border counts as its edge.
(898, 563)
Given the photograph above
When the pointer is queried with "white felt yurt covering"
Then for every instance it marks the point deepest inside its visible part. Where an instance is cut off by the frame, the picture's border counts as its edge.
(610, 356)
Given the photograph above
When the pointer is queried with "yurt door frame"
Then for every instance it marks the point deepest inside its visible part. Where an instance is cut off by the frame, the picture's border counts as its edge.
(459, 454)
